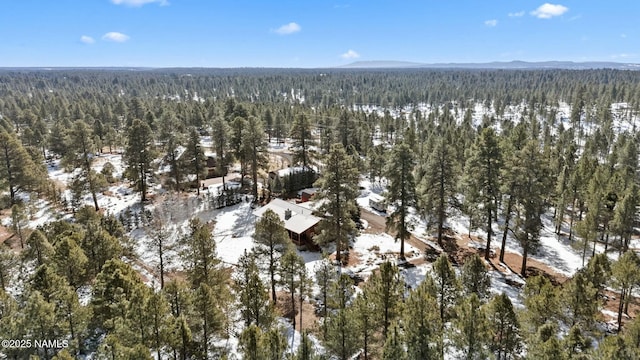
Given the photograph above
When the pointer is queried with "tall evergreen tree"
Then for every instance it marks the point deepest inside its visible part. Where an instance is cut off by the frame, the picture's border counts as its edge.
(504, 328)
(387, 292)
(531, 203)
(401, 192)
(18, 172)
(470, 334)
(481, 180)
(436, 189)
(393, 349)
(302, 141)
(475, 277)
(273, 241)
(196, 161)
(254, 299)
(626, 274)
(291, 267)
(254, 146)
(139, 155)
(339, 186)
(341, 336)
(423, 327)
(80, 155)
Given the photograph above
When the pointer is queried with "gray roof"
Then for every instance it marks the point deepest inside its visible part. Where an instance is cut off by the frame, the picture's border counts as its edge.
(301, 218)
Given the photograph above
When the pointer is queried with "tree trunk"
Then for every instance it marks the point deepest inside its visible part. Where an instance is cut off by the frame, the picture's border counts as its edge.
(487, 251)
(620, 308)
(525, 252)
(506, 227)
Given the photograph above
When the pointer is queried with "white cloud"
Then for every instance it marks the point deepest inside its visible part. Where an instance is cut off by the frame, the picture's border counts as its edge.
(138, 3)
(624, 36)
(115, 37)
(350, 55)
(287, 29)
(547, 11)
(622, 56)
(87, 39)
(516, 14)
(491, 23)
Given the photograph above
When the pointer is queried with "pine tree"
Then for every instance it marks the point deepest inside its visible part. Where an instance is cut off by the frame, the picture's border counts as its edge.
(531, 204)
(210, 307)
(470, 328)
(581, 303)
(504, 328)
(306, 349)
(625, 215)
(249, 343)
(114, 285)
(158, 310)
(196, 162)
(401, 192)
(273, 241)
(481, 180)
(541, 300)
(39, 248)
(40, 321)
(625, 273)
(576, 344)
(221, 137)
(302, 141)
(613, 348)
(326, 275)
(447, 289)
(545, 344)
(364, 313)
(422, 324)
(180, 300)
(18, 172)
(273, 344)
(80, 155)
(74, 316)
(74, 271)
(172, 139)
(291, 267)
(19, 222)
(387, 292)
(436, 189)
(254, 299)
(8, 262)
(339, 326)
(393, 349)
(475, 277)
(339, 186)
(254, 147)
(199, 253)
(139, 155)
(161, 239)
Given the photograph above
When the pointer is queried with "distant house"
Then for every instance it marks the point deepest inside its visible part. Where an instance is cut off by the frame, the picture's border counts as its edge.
(291, 179)
(306, 194)
(299, 222)
(211, 167)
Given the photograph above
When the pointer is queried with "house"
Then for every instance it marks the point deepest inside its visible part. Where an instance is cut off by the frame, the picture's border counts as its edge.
(211, 167)
(291, 179)
(306, 194)
(299, 222)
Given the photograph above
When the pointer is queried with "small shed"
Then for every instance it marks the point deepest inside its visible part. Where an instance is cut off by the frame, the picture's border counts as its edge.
(306, 194)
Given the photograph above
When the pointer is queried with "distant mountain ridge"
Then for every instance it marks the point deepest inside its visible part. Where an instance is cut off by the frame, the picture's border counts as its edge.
(516, 64)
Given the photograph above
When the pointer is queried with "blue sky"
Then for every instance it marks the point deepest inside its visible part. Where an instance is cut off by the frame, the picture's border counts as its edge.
(313, 33)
